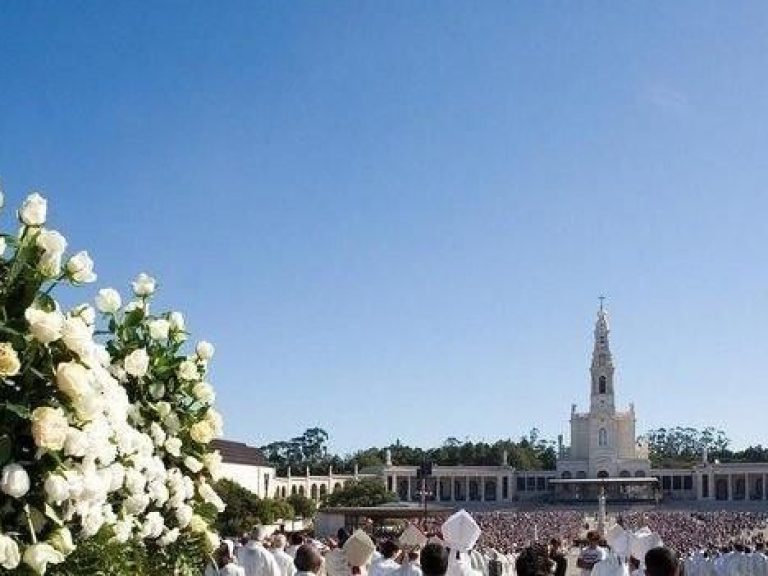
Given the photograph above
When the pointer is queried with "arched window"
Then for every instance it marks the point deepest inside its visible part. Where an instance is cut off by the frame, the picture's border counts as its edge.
(602, 437)
(601, 385)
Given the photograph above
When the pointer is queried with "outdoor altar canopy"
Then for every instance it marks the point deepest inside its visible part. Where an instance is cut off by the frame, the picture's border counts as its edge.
(614, 489)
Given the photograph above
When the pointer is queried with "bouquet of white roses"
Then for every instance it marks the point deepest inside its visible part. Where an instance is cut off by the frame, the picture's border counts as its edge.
(102, 445)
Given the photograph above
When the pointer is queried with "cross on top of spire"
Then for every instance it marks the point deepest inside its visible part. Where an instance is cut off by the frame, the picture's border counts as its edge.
(602, 300)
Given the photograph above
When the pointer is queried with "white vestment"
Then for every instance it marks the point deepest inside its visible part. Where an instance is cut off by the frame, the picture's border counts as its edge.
(258, 561)
(285, 562)
(383, 567)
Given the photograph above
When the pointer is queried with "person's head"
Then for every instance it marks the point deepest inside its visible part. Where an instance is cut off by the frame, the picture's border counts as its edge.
(661, 561)
(593, 538)
(279, 541)
(296, 539)
(225, 554)
(434, 560)
(307, 559)
(413, 556)
(341, 536)
(258, 533)
(389, 548)
(555, 544)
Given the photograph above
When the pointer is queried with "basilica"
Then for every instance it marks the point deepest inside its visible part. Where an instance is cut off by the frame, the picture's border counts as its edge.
(604, 453)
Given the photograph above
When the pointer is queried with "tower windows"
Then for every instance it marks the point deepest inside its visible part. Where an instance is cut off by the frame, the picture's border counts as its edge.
(601, 385)
(602, 437)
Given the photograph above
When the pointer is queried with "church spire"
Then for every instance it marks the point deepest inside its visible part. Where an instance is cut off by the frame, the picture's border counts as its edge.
(602, 395)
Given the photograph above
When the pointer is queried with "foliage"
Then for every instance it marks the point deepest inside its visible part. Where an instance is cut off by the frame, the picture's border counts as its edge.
(302, 505)
(681, 446)
(363, 492)
(529, 453)
(245, 509)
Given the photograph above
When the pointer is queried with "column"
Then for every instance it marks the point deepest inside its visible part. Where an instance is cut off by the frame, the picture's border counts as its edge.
(437, 489)
(712, 486)
(453, 489)
(499, 481)
(395, 487)
(466, 488)
(730, 486)
(763, 486)
(482, 488)
(408, 497)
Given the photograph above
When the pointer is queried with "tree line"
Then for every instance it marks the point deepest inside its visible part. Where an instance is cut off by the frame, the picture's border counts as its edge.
(310, 449)
(668, 448)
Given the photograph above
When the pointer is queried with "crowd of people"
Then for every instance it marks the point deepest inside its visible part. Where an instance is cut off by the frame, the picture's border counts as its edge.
(692, 532)
(533, 543)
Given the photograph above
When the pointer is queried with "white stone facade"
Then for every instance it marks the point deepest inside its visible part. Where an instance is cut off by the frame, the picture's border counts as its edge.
(603, 440)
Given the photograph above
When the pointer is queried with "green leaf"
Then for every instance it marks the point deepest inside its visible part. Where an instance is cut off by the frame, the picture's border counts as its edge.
(51, 514)
(5, 450)
(19, 410)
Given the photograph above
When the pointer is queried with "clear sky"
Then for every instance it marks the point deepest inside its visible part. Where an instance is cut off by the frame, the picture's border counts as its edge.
(394, 218)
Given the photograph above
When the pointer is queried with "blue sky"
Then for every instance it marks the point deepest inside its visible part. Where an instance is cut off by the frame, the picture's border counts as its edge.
(394, 218)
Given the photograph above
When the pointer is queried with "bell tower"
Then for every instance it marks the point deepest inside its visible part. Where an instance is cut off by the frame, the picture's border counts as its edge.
(601, 371)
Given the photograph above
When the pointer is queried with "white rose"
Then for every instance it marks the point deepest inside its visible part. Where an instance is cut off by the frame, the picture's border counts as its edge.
(172, 423)
(2, 245)
(204, 350)
(56, 488)
(45, 326)
(92, 522)
(77, 335)
(184, 514)
(9, 553)
(137, 363)
(61, 539)
(201, 432)
(123, 529)
(136, 504)
(33, 210)
(212, 462)
(173, 447)
(188, 370)
(163, 409)
(208, 494)
(76, 443)
(117, 476)
(38, 556)
(86, 312)
(80, 268)
(14, 481)
(157, 433)
(193, 464)
(49, 428)
(153, 525)
(177, 321)
(197, 524)
(108, 300)
(212, 540)
(144, 285)
(73, 379)
(203, 391)
(215, 421)
(53, 245)
(158, 329)
(9, 360)
(169, 537)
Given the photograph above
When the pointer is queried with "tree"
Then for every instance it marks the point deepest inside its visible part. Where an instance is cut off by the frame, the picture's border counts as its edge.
(245, 509)
(363, 492)
(302, 506)
(681, 446)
